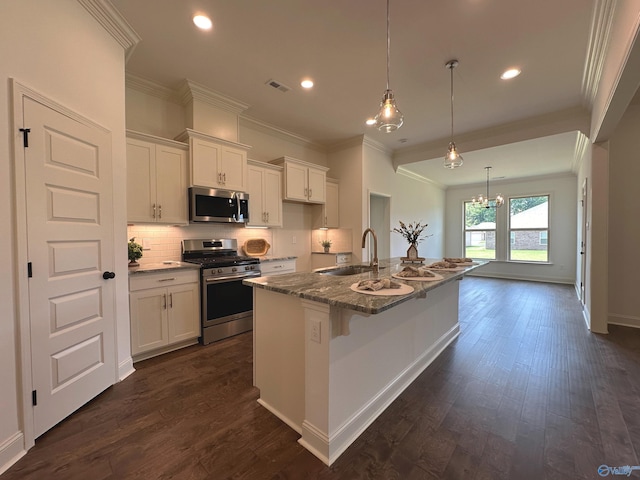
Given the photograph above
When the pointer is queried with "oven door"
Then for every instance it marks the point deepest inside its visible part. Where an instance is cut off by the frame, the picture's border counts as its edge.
(225, 299)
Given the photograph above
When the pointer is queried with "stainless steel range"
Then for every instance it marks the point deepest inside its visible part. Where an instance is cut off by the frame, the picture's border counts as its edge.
(227, 304)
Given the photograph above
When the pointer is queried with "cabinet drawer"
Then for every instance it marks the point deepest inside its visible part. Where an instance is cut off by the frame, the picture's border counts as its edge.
(142, 281)
(277, 267)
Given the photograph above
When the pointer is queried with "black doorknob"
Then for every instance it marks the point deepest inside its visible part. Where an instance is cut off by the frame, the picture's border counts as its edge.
(108, 275)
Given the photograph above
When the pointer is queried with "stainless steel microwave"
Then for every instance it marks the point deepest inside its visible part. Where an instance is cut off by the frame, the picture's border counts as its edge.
(214, 205)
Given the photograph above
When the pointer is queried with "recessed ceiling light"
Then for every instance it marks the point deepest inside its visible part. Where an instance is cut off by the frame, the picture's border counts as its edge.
(511, 73)
(371, 121)
(307, 83)
(202, 22)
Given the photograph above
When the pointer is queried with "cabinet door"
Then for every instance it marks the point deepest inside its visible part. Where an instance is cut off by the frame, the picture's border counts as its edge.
(205, 157)
(171, 185)
(296, 183)
(255, 182)
(272, 197)
(148, 319)
(141, 181)
(184, 312)
(331, 206)
(233, 168)
(317, 185)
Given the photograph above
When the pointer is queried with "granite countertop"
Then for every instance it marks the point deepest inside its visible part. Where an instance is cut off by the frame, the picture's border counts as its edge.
(162, 266)
(335, 290)
(274, 258)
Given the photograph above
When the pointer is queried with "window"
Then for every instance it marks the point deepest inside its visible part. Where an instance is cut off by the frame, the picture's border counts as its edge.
(529, 229)
(479, 231)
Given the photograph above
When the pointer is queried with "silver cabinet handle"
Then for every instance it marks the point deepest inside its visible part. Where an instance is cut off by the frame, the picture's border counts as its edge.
(154, 210)
(171, 300)
(165, 301)
(159, 211)
(306, 192)
(167, 279)
(224, 177)
(310, 193)
(267, 216)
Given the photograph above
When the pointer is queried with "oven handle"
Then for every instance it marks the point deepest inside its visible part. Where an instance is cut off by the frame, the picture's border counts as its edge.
(230, 277)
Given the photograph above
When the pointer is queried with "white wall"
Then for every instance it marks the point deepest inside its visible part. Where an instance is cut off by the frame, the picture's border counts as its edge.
(562, 227)
(624, 223)
(412, 201)
(154, 115)
(59, 50)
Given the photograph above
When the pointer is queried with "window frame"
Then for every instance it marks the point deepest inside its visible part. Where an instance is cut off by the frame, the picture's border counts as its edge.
(511, 230)
(466, 230)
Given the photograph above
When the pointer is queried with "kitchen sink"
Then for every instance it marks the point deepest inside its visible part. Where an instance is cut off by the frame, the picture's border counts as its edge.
(348, 270)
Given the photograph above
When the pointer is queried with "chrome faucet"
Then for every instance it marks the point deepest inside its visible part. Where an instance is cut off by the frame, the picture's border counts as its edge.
(374, 262)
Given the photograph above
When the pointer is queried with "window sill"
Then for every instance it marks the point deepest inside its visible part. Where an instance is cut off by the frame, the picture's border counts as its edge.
(523, 262)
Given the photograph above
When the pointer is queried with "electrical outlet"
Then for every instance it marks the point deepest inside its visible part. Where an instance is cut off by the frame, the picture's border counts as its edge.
(315, 331)
(294, 240)
(146, 244)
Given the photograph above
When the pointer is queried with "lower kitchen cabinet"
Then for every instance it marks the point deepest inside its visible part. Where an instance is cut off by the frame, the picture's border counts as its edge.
(165, 312)
(277, 267)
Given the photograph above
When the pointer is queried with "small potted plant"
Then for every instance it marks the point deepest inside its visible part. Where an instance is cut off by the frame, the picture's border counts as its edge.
(135, 252)
(326, 244)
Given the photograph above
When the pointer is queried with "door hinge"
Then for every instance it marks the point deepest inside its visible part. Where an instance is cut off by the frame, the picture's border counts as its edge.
(25, 136)
(34, 397)
(29, 270)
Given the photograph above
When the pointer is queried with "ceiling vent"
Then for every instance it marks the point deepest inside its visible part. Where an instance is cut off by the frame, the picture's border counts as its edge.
(277, 85)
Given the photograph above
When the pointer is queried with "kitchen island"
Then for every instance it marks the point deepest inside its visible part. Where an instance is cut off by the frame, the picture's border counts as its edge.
(328, 360)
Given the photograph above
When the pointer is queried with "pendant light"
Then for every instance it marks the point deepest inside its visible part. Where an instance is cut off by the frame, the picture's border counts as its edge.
(452, 159)
(484, 200)
(389, 118)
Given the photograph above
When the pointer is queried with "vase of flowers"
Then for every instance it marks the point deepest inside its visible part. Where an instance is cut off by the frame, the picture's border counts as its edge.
(326, 244)
(135, 252)
(413, 235)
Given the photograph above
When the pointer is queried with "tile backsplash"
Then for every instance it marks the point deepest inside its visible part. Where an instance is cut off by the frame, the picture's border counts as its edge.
(162, 242)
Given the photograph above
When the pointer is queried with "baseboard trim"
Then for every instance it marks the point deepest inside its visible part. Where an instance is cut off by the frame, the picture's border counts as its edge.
(125, 368)
(529, 278)
(281, 416)
(624, 320)
(328, 449)
(11, 451)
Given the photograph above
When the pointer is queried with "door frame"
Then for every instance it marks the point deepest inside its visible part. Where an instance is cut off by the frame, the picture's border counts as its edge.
(20, 91)
(388, 198)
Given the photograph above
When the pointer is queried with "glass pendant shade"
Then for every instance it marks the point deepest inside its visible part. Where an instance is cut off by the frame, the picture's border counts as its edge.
(389, 118)
(453, 159)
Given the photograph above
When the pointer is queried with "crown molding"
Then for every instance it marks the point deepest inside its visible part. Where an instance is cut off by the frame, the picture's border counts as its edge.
(582, 142)
(149, 87)
(420, 178)
(271, 130)
(189, 90)
(599, 38)
(114, 23)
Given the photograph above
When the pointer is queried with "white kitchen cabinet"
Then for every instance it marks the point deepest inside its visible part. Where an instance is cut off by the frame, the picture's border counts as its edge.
(216, 163)
(277, 267)
(165, 311)
(265, 194)
(303, 181)
(156, 180)
(327, 214)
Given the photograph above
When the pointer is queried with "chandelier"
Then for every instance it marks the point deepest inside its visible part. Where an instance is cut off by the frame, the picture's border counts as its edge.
(389, 118)
(484, 200)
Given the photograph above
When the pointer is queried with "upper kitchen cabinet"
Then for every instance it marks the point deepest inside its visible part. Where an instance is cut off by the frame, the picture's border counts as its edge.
(303, 181)
(216, 163)
(265, 194)
(156, 179)
(326, 215)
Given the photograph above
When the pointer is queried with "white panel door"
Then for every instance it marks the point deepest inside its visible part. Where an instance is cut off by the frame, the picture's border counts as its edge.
(255, 182)
(273, 198)
(70, 244)
(171, 185)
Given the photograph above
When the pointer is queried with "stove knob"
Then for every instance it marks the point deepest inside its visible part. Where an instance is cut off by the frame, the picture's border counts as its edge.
(219, 270)
(234, 269)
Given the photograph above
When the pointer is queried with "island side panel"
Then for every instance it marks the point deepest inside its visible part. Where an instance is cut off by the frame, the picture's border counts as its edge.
(371, 359)
(279, 357)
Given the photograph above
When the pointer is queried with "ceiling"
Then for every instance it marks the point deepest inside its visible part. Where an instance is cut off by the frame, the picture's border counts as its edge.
(342, 47)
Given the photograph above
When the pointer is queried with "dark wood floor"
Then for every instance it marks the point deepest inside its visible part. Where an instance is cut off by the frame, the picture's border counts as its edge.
(525, 392)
